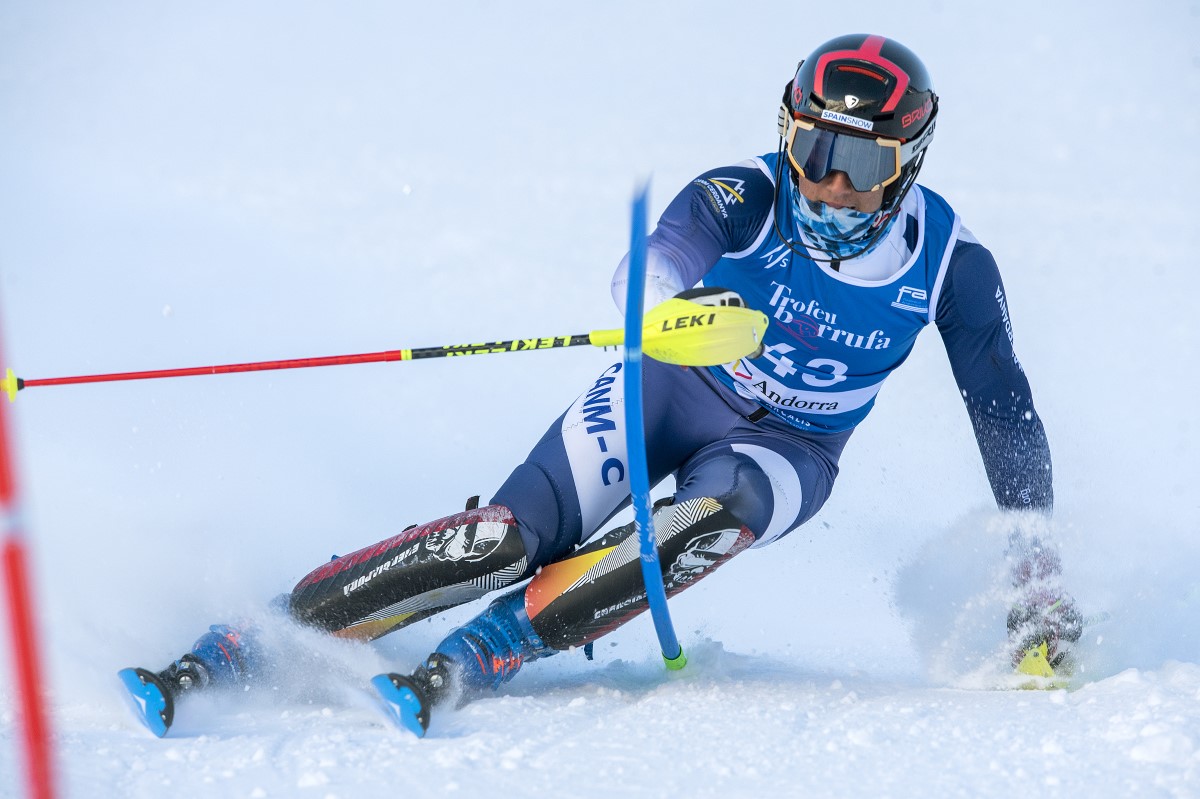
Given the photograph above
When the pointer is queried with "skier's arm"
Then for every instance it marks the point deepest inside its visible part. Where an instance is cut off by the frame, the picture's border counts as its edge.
(700, 225)
(973, 318)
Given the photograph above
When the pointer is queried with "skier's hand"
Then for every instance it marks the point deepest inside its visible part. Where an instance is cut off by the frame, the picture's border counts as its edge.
(1044, 615)
(714, 296)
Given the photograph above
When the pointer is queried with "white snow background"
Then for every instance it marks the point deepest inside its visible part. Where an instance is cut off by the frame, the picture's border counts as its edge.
(192, 184)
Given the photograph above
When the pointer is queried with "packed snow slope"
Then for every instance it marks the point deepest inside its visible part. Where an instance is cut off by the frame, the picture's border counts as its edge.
(191, 184)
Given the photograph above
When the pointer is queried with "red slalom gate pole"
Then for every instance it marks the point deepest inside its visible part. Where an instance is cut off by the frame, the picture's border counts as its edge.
(39, 772)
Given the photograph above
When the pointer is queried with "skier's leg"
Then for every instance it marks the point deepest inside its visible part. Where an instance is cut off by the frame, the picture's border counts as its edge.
(746, 490)
(380, 588)
(397, 581)
(574, 601)
(370, 592)
(776, 478)
(573, 481)
(772, 481)
(422, 570)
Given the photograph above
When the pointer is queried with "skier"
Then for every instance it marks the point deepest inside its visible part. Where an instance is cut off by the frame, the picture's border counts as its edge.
(832, 238)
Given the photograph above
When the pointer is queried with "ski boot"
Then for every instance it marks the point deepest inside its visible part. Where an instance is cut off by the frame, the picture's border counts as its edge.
(407, 700)
(474, 659)
(222, 656)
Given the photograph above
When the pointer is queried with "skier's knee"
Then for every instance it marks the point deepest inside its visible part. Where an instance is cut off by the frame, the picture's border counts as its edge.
(549, 530)
(738, 483)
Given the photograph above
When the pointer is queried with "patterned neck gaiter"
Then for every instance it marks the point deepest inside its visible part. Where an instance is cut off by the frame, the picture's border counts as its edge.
(839, 231)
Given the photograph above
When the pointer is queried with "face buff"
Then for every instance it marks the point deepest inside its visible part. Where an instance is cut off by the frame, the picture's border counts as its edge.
(838, 231)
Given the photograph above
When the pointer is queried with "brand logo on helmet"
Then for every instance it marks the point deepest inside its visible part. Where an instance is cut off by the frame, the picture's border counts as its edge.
(846, 119)
(852, 101)
(916, 115)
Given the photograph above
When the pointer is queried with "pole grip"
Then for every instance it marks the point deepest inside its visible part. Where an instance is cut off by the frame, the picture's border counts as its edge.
(607, 338)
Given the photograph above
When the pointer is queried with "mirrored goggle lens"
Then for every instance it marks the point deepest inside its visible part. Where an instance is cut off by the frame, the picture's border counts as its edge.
(815, 152)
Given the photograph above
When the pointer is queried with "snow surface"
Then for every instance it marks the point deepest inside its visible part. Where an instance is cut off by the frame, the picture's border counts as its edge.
(187, 184)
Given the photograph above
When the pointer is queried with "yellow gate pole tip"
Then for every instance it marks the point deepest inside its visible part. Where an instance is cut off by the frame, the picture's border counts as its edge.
(1035, 663)
(11, 385)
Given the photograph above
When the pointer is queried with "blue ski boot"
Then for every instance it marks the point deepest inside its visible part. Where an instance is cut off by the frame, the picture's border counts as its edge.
(474, 659)
(223, 656)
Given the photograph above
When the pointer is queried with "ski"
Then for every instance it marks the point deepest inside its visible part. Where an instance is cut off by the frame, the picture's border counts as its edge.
(149, 698)
(403, 702)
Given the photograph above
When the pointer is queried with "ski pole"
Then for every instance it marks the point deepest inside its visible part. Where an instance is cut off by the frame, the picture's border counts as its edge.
(676, 331)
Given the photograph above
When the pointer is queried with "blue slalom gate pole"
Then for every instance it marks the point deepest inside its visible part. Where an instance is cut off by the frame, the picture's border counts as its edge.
(635, 433)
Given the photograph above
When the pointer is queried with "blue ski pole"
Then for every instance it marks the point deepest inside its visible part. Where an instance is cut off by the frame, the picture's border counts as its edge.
(635, 431)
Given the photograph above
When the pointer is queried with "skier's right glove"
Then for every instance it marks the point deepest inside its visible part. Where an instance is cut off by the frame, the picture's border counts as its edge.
(716, 297)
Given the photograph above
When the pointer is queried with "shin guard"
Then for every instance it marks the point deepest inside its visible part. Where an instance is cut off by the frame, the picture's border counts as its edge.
(412, 575)
(578, 599)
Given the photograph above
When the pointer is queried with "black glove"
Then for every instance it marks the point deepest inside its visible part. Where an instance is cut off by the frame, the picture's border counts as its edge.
(1044, 611)
(714, 296)
(1047, 616)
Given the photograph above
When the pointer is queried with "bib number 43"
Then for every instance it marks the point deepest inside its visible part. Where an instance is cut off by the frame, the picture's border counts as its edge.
(831, 372)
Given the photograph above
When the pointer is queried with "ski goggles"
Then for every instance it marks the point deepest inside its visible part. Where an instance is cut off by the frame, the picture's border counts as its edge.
(870, 163)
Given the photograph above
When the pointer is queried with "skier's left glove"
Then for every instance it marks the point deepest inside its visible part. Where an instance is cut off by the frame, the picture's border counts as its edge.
(716, 297)
(1044, 615)
(1043, 611)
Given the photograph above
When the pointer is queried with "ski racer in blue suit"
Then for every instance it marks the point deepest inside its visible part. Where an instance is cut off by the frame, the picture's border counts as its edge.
(851, 259)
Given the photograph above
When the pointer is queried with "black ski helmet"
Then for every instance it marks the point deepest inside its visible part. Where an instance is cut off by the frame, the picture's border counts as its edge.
(867, 86)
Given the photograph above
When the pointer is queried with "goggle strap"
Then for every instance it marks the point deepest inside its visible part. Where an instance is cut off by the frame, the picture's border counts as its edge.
(911, 148)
